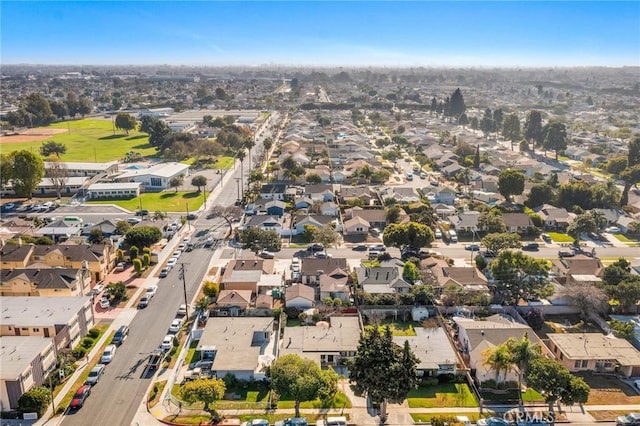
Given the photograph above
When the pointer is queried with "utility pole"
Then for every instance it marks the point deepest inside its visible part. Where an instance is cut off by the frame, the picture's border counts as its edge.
(184, 287)
(238, 185)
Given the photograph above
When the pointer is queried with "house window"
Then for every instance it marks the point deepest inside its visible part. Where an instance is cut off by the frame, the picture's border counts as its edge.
(36, 330)
(585, 363)
(577, 364)
(156, 181)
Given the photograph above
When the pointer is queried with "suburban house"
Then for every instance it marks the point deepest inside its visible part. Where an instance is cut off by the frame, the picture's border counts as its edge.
(245, 274)
(113, 190)
(328, 343)
(554, 217)
(401, 194)
(156, 177)
(273, 191)
(266, 223)
(574, 269)
(382, 279)
(98, 258)
(595, 352)
(433, 349)
(364, 193)
(335, 285)
(275, 207)
(319, 221)
(107, 228)
(455, 278)
(443, 210)
(302, 203)
(517, 222)
(320, 192)
(377, 218)
(240, 346)
(65, 319)
(313, 268)
(25, 361)
(445, 195)
(356, 226)
(59, 231)
(476, 337)
(467, 221)
(234, 301)
(489, 183)
(45, 282)
(300, 296)
(329, 208)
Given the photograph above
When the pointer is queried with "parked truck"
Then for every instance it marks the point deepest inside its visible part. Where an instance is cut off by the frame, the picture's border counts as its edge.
(155, 359)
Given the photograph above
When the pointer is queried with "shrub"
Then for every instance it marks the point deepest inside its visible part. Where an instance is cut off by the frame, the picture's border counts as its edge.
(137, 265)
(87, 342)
(79, 352)
(120, 255)
(133, 252)
(146, 250)
(442, 420)
(93, 333)
(146, 260)
(35, 400)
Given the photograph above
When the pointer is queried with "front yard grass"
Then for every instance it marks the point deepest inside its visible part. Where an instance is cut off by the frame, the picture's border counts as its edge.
(627, 240)
(426, 417)
(605, 389)
(166, 201)
(192, 354)
(442, 395)
(558, 237)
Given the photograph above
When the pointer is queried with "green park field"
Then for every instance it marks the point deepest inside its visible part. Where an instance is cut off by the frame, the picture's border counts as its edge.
(166, 201)
(89, 140)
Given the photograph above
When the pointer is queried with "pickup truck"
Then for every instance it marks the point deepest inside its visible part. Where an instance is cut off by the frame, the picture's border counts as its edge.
(155, 359)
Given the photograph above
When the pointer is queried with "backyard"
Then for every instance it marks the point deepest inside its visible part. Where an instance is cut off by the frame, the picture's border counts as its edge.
(442, 395)
(567, 324)
(167, 201)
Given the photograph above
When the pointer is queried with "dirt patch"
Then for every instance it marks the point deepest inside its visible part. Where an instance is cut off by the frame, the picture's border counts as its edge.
(607, 415)
(605, 389)
(30, 135)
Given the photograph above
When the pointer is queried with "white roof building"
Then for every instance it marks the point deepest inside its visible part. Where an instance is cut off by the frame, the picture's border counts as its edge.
(156, 177)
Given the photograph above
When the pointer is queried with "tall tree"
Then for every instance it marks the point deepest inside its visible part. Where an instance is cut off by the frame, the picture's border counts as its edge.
(556, 383)
(533, 128)
(176, 181)
(631, 177)
(523, 352)
(326, 236)
(301, 379)
(590, 298)
(539, 195)
(125, 122)
(555, 138)
(499, 359)
(518, 276)
(511, 128)
(456, 104)
(582, 224)
(487, 124)
(492, 221)
(382, 369)
(199, 181)
(510, 182)
(6, 169)
(27, 171)
(58, 172)
(475, 125)
(52, 147)
(411, 234)
(59, 109)
(204, 390)
(476, 158)
(498, 241)
(498, 116)
(39, 109)
(256, 239)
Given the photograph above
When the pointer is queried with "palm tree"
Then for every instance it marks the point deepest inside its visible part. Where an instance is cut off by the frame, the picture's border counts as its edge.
(499, 359)
(523, 352)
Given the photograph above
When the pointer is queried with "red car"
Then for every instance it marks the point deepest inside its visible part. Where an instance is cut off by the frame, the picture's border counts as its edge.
(78, 399)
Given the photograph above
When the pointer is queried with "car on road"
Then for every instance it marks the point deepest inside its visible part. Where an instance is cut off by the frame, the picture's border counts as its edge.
(492, 421)
(152, 290)
(177, 254)
(119, 267)
(98, 289)
(377, 247)
(256, 422)
(94, 375)
(182, 310)
(172, 262)
(437, 233)
(315, 247)
(295, 265)
(208, 242)
(104, 303)
(79, 397)
(295, 421)
(565, 253)
(631, 419)
(108, 354)
(360, 247)
(266, 254)
(613, 230)
(531, 247)
(182, 247)
(546, 238)
(167, 342)
(472, 247)
(9, 206)
(133, 220)
(322, 255)
(176, 324)
(142, 212)
(489, 254)
(144, 302)
(165, 271)
(121, 335)
(190, 247)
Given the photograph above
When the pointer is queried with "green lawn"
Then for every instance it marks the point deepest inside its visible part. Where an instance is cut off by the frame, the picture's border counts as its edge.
(340, 401)
(560, 238)
(167, 201)
(225, 163)
(398, 328)
(93, 140)
(530, 395)
(625, 239)
(443, 395)
(426, 417)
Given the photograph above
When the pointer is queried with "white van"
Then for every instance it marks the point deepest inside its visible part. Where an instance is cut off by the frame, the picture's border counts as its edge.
(333, 421)
(453, 237)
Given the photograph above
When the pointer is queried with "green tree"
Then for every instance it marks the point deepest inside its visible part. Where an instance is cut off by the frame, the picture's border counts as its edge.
(616, 272)
(631, 177)
(456, 104)
(523, 352)
(142, 236)
(146, 260)
(411, 234)
(623, 329)
(583, 223)
(59, 109)
(137, 265)
(27, 171)
(95, 236)
(37, 106)
(423, 294)
(211, 289)
(52, 147)
(35, 400)
(301, 379)
(203, 304)
(496, 242)
(627, 292)
(499, 359)
(199, 181)
(125, 122)
(617, 165)
(382, 369)
(410, 272)
(313, 178)
(491, 221)
(510, 182)
(267, 143)
(134, 252)
(555, 137)
(533, 129)
(117, 291)
(487, 124)
(475, 125)
(393, 214)
(6, 169)
(511, 128)
(85, 106)
(256, 239)
(326, 236)
(122, 227)
(476, 158)
(518, 276)
(539, 194)
(556, 383)
(176, 181)
(203, 390)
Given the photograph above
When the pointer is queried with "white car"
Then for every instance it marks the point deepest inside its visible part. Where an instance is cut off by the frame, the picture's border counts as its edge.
(438, 233)
(186, 240)
(175, 325)
(182, 247)
(98, 289)
(107, 355)
(104, 303)
(172, 262)
(182, 310)
(151, 290)
(134, 220)
(167, 342)
(177, 254)
(613, 230)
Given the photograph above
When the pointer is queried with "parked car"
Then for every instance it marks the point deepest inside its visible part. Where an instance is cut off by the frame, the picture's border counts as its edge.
(120, 336)
(177, 254)
(172, 262)
(492, 421)
(94, 375)
(104, 302)
(175, 325)
(133, 220)
(266, 254)
(378, 247)
(322, 255)
(472, 247)
(144, 302)
(631, 419)
(182, 310)
(190, 247)
(613, 230)
(8, 206)
(531, 247)
(360, 247)
(142, 212)
(98, 289)
(182, 247)
(256, 422)
(546, 238)
(165, 271)
(208, 242)
(315, 248)
(295, 421)
(79, 397)
(119, 267)
(167, 342)
(108, 354)
(437, 233)
(565, 253)
(152, 290)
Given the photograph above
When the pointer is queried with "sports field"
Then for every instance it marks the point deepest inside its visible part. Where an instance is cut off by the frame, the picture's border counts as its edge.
(88, 139)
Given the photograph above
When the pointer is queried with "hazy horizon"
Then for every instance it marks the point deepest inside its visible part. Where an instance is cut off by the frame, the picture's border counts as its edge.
(322, 34)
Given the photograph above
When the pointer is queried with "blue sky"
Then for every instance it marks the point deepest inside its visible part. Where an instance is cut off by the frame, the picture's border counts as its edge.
(357, 33)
